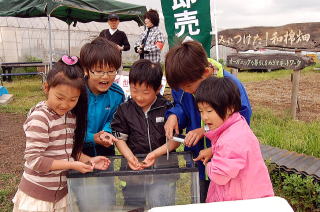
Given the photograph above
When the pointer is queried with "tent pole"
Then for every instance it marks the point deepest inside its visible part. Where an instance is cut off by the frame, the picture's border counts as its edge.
(69, 39)
(50, 43)
(215, 30)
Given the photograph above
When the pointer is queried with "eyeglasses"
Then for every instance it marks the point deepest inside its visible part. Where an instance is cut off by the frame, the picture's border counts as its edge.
(102, 73)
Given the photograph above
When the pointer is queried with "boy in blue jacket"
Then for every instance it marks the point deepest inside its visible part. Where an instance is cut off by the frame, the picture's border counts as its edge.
(186, 67)
(101, 60)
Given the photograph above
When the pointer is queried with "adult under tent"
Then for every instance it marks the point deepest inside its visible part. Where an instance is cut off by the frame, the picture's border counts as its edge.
(72, 11)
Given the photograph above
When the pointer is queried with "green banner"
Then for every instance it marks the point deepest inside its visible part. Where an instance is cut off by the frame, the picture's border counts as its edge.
(187, 18)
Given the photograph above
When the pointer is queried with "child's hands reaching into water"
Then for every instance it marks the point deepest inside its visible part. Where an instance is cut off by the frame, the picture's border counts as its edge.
(134, 163)
(149, 160)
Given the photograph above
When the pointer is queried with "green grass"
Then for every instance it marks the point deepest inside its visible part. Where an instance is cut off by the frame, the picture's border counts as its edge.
(27, 92)
(285, 133)
(262, 76)
(8, 187)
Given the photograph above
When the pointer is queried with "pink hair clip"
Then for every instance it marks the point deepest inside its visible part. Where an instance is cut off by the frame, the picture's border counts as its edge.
(69, 60)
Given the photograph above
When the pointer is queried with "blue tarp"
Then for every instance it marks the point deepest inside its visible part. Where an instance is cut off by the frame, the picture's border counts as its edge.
(3, 90)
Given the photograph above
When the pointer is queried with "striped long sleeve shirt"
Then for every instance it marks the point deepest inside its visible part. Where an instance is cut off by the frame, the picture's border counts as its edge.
(49, 137)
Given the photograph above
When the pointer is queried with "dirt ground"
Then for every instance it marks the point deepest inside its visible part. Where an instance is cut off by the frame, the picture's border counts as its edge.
(12, 143)
(275, 94)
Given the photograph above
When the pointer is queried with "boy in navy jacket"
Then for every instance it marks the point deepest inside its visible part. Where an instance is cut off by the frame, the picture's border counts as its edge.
(186, 67)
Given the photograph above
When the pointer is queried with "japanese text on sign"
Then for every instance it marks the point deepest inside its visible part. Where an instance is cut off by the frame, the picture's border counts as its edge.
(186, 19)
(288, 38)
(265, 62)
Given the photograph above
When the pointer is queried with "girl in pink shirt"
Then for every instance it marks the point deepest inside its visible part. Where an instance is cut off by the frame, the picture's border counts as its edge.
(236, 170)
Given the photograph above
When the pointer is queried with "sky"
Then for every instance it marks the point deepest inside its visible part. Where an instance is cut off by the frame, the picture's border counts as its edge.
(245, 13)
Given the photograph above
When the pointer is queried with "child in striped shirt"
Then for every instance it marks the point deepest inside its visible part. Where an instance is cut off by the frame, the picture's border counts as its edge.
(55, 131)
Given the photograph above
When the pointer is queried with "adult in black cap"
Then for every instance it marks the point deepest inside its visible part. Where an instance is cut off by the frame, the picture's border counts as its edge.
(115, 35)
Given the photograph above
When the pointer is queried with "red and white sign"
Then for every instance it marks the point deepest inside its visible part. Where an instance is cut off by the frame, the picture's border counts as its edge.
(123, 82)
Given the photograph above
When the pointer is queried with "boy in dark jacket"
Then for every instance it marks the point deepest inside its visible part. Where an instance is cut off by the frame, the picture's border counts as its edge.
(139, 125)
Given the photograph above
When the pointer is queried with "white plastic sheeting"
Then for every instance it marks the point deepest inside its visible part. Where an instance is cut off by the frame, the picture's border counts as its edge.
(24, 37)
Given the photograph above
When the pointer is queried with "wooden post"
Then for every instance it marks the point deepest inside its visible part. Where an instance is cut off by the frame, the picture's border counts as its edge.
(234, 71)
(295, 89)
(294, 95)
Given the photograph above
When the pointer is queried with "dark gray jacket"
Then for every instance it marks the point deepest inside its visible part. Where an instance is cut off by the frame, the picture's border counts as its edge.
(142, 132)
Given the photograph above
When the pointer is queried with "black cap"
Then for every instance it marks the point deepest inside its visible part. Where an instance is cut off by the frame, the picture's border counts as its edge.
(113, 16)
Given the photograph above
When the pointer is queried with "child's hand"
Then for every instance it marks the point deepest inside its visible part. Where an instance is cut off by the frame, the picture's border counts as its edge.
(193, 137)
(97, 138)
(100, 162)
(149, 160)
(81, 167)
(171, 125)
(204, 155)
(134, 164)
(105, 139)
(108, 139)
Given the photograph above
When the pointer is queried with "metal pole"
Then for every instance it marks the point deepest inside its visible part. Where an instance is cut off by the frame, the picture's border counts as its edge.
(215, 30)
(69, 39)
(50, 44)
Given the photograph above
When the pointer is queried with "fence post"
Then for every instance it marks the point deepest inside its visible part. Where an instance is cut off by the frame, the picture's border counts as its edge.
(235, 71)
(294, 94)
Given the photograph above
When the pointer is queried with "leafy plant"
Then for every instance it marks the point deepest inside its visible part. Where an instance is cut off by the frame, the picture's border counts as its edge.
(221, 61)
(31, 59)
(303, 193)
